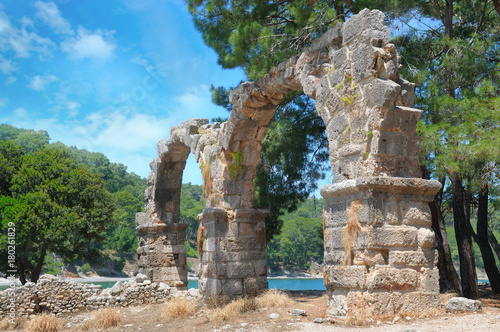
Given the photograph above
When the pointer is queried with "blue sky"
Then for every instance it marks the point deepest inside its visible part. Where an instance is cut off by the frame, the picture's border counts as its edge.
(107, 76)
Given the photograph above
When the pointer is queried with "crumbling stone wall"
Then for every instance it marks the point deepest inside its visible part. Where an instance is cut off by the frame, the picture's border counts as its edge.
(378, 241)
(56, 296)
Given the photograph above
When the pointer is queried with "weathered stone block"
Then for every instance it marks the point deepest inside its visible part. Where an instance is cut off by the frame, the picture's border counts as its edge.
(232, 287)
(378, 92)
(251, 255)
(335, 215)
(221, 269)
(387, 143)
(346, 277)
(429, 280)
(390, 279)
(337, 304)
(365, 62)
(211, 287)
(241, 270)
(338, 124)
(416, 213)
(392, 213)
(370, 257)
(261, 268)
(412, 258)
(392, 236)
(364, 20)
(334, 257)
(425, 238)
(334, 238)
(246, 229)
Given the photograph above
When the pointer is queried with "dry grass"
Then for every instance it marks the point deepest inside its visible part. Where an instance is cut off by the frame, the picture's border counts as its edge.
(232, 309)
(103, 319)
(178, 308)
(216, 301)
(274, 298)
(44, 323)
(5, 323)
(350, 232)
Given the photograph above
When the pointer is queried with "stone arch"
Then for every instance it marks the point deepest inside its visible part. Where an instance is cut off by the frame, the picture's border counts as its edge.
(161, 251)
(378, 241)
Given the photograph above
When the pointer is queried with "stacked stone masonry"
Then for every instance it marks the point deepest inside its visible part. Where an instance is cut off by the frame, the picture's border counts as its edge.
(56, 296)
(378, 240)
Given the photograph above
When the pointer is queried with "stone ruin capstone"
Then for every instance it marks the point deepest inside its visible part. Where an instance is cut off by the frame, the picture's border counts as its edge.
(378, 242)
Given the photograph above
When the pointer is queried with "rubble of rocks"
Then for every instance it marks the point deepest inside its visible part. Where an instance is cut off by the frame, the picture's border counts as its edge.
(57, 296)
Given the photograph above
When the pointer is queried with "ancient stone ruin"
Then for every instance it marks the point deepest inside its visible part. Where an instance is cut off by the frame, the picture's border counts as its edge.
(379, 246)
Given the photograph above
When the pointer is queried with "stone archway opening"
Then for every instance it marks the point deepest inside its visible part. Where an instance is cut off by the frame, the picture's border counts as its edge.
(378, 240)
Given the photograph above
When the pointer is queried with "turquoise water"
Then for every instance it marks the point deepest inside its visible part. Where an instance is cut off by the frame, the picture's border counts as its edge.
(288, 284)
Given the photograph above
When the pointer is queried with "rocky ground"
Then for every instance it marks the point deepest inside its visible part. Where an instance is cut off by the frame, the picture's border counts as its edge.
(148, 318)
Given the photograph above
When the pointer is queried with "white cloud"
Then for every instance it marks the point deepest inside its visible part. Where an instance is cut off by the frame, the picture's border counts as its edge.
(6, 66)
(22, 42)
(10, 80)
(72, 108)
(48, 13)
(197, 103)
(88, 45)
(20, 113)
(39, 83)
(125, 137)
(3, 102)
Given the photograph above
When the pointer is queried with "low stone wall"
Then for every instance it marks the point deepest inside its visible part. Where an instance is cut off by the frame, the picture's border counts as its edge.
(53, 295)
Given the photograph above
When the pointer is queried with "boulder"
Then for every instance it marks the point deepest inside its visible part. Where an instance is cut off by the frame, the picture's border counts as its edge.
(462, 304)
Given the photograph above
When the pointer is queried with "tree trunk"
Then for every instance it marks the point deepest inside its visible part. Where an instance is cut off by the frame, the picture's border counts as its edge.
(35, 273)
(464, 240)
(448, 31)
(496, 3)
(482, 239)
(448, 276)
(494, 243)
(22, 270)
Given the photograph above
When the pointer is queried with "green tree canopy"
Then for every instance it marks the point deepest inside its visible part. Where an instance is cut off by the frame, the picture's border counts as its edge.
(55, 204)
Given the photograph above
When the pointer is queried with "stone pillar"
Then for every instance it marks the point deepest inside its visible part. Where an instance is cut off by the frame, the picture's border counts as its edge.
(379, 246)
(162, 253)
(233, 260)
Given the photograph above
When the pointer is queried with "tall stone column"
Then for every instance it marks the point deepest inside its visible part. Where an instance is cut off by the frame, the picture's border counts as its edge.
(233, 259)
(379, 246)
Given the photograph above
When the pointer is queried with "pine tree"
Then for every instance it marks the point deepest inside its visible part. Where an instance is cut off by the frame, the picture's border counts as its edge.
(456, 63)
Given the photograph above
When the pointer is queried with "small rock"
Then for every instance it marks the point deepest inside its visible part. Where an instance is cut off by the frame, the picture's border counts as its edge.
(128, 325)
(140, 277)
(409, 330)
(299, 312)
(274, 316)
(193, 292)
(318, 320)
(408, 318)
(227, 327)
(395, 319)
(241, 330)
(117, 288)
(244, 324)
(461, 304)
